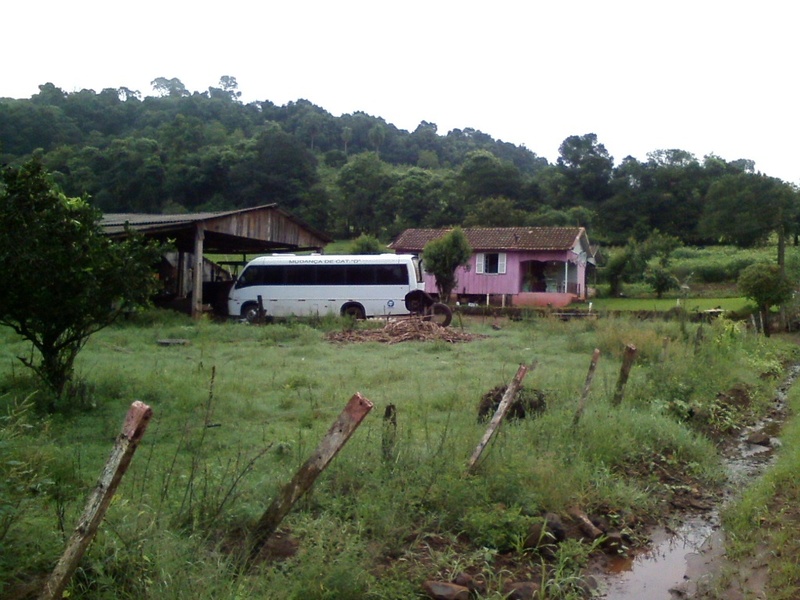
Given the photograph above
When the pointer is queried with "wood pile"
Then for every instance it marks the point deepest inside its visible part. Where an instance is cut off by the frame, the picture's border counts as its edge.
(403, 330)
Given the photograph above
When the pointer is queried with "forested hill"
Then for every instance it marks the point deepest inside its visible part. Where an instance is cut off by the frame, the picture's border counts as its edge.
(180, 151)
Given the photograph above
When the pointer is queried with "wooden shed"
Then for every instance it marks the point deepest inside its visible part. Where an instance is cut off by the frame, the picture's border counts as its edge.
(258, 230)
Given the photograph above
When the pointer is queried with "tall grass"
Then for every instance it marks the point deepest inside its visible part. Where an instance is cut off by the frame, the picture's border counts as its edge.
(239, 408)
(763, 525)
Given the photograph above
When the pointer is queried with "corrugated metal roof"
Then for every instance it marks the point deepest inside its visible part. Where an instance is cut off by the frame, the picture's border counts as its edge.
(496, 238)
(115, 222)
(137, 220)
(250, 230)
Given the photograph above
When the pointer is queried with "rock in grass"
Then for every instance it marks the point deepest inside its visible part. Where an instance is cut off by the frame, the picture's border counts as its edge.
(441, 590)
(475, 586)
(550, 530)
(522, 590)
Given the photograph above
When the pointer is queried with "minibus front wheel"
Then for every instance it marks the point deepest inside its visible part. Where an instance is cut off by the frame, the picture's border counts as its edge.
(250, 312)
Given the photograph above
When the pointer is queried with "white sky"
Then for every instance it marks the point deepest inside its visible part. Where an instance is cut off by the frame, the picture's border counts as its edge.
(706, 76)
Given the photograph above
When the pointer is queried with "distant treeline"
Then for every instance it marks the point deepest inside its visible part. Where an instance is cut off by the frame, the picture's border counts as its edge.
(179, 151)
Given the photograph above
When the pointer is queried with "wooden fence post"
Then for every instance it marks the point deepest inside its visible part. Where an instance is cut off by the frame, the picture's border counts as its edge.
(500, 413)
(389, 437)
(586, 387)
(133, 429)
(624, 373)
(664, 349)
(348, 421)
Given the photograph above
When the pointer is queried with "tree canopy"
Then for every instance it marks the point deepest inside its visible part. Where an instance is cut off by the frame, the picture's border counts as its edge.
(443, 256)
(767, 285)
(65, 280)
(177, 150)
(745, 208)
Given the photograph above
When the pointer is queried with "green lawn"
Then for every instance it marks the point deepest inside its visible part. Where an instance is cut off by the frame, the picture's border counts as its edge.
(665, 304)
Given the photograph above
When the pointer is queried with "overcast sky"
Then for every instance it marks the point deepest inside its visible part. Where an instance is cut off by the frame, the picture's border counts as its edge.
(706, 76)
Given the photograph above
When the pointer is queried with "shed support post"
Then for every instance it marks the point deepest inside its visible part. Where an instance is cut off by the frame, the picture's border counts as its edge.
(183, 288)
(197, 286)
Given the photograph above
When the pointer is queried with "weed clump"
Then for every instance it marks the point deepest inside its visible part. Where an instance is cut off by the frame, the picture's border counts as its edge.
(527, 402)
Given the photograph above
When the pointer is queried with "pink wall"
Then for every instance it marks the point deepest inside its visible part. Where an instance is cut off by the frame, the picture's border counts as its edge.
(470, 282)
(542, 299)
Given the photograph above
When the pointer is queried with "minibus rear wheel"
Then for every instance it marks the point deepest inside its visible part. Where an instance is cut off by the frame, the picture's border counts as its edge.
(355, 311)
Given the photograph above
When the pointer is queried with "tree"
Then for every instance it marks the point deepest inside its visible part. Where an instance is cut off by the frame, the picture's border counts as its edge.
(230, 86)
(496, 211)
(443, 256)
(69, 280)
(767, 285)
(631, 264)
(746, 208)
(366, 244)
(364, 183)
(661, 280)
(588, 167)
(417, 198)
(277, 166)
(173, 88)
(483, 175)
(130, 176)
(347, 136)
(377, 135)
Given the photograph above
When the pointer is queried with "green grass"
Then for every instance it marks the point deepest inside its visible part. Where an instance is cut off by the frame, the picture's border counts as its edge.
(692, 305)
(764, 524)
(239, 408)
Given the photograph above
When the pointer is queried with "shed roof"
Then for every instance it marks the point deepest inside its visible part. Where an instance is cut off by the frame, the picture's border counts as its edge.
(259, 229)
(498, 238)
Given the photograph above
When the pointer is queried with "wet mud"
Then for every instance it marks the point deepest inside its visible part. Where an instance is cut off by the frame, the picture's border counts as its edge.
(683, 560)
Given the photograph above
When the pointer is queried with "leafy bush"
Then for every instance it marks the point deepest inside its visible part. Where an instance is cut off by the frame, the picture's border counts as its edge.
(499, 527)
(715, 264)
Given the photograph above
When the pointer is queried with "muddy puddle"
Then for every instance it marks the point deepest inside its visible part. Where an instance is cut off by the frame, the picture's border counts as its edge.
(683, 559)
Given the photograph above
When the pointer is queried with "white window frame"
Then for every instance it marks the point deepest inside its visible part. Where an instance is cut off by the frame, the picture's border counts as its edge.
(480, 263)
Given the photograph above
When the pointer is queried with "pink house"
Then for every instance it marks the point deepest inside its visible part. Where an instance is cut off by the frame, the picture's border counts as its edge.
(521, 266)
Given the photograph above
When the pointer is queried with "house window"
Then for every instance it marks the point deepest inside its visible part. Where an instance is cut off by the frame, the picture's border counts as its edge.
(491, 263)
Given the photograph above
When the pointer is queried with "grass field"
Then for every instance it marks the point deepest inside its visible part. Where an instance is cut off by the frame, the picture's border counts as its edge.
(239, 408)
(692, 305)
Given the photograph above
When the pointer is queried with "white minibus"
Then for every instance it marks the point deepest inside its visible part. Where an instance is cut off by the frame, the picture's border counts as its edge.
(359, 285)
